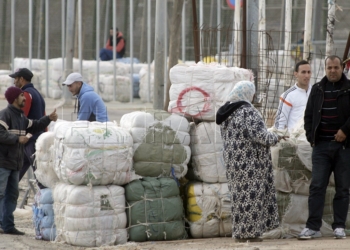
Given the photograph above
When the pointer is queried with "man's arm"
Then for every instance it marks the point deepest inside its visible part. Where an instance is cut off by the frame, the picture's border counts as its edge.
(282, 115)
(308, 116)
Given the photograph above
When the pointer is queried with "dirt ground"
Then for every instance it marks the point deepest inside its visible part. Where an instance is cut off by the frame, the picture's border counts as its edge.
(23, 220)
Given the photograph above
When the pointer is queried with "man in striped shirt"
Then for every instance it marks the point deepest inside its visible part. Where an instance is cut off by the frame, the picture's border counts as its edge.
(327, 127)
(293, 102)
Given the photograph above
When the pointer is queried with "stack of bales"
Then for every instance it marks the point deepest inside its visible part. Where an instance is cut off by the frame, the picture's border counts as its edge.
(43, 215)
(208, 199)
(292, 170)
(197, 91)
(161, 150)
(52, 87)
(91, 162)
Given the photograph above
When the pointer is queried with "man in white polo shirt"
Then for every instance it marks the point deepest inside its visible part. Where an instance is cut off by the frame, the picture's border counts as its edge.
(293, 101)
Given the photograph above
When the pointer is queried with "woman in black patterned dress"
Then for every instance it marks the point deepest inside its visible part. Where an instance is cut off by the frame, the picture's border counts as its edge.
(248, 165)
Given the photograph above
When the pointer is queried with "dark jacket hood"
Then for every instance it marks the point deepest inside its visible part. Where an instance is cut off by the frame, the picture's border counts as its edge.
(227, 109)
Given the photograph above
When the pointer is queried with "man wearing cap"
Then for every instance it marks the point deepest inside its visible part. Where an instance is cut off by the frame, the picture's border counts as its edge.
(90, 104)
(34, 109)
(14, 129)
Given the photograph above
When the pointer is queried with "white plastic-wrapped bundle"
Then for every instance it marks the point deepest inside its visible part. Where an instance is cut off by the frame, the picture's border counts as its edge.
(44, 172)
(207, 161)
(37, 64)
(161, 142)
(43, 215)
(199, 90)
(106, 87)
(144, 89)
(54, 89)
(93, 153)
(90, 216)
(209, 210)
(5, 82)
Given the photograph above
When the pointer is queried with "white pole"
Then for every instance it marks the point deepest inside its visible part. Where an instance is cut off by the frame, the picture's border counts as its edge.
(308, 27)
(237, 42)
(262, 41)
(97, 45)
(107, 28)
(183, 32)
(114, 47)
(13, 44)
(330, 27)
(166, 61)
(80, 38)
(201, 23)
(158, 89)
(287, 41)
(47, 45)
(30, 38)
(149, 49)
(131, 49)
(218, 23)
(63, 34)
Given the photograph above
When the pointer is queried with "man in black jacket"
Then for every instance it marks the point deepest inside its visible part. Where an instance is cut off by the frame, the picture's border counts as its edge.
(34, 109)
(327, 126)
(14, 129)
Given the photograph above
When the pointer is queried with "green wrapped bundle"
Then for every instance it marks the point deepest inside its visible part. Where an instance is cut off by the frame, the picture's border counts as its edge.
(154, 209)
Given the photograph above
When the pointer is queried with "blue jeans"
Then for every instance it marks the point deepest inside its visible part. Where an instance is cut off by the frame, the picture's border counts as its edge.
(8, 196)
(107, 55)
(328, 157)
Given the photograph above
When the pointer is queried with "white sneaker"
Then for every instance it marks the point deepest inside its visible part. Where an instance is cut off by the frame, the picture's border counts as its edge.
(339, 233)
(307, 234)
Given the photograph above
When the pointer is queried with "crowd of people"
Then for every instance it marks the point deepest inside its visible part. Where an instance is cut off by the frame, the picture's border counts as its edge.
(324, 107)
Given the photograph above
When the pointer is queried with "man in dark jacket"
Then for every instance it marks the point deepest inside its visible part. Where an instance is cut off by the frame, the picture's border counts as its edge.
(327, 126)
(34, 109)
(14, 129)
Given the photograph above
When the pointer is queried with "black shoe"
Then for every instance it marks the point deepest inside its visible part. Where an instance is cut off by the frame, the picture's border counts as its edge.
(14, 231)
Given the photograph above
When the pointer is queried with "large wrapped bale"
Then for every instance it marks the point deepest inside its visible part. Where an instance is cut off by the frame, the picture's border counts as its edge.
(93, 153)
(291, 175)
(106, 87)
(90, 216)
(209, 210)
(161, 142)
(293, 212)
(207, 163)
(5, 81)
(44, 163)
(155, 210)
(197, 91)
(51, 89)
(43, 215)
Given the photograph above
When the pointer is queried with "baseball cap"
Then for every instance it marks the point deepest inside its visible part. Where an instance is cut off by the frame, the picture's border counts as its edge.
(23, 72)
(73, 77)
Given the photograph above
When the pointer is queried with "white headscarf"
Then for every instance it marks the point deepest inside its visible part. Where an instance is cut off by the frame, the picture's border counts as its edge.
(242, 91)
